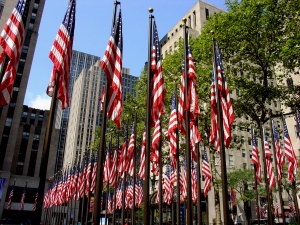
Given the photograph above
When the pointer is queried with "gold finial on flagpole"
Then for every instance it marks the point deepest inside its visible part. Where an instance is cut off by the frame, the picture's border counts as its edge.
(150, 10)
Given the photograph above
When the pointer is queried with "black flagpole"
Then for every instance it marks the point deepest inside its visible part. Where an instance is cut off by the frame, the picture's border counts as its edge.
(225, 197)
(199, 210)
(100, 158)
(134, 172)
(256, 186)
(177, 164)
(124, 178)
(160, 203)
(148, 128)
(270, 214)
(45, 155)
(294, 189)
(107, 183)
(116, 187)
(189, 214)
(276, 169)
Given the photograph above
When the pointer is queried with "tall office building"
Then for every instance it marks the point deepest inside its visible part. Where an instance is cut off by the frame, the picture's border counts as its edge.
(85, 115)
(22, 129)
(79, 62)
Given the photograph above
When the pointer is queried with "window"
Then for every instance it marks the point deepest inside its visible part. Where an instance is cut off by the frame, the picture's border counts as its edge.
(230, 160)
(243, 153)
(289, 82)
(250, 153)
(8, 122)
(206, 13)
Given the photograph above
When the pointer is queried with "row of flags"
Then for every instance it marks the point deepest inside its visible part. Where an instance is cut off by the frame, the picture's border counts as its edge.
(287, 152)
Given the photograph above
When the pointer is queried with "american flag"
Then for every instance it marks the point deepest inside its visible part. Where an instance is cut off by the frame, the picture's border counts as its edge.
(122, 167)
(158, 191)
(279, 154)
(106, 167)
(23, 198)
(61, 53)
(255, 158)
(129, 196)
(227, 110)
(109, 204)
(262, 209)
(35, 201)
(139, 194)
(113, 173)
(119, 195)
(173, 176)
(155, 154)
(172, 132)
(11, 40)
(194, 138)
(291, 205)
(11, 194)
(290, 154)
(94, 173)
(158, 86)
(214, 133)
(130, 151)
(192, 99)
(88, 177)
(143, 154)
(181, 103)
(168, 187)
(183, 182)
(276, 212)
(207, 173)
(194, 183)
(268, 155)
(112, 66)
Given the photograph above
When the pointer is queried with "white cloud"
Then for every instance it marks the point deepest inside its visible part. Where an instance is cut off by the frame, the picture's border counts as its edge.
(40, 102)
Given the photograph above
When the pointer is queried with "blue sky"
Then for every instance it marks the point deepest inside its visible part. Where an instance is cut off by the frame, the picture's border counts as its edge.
(92, 31)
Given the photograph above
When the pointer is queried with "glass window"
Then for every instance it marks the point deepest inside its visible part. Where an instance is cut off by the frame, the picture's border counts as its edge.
(8, 122)
(230, 160)
(243, 153)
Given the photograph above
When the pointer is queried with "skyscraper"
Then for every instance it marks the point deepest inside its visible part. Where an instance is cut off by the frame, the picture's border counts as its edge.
(85, 115)
(79, 62)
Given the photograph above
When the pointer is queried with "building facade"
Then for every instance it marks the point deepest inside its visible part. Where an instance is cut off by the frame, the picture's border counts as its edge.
(22, 129)
(79, 61)
(238, 156)
(85, 115)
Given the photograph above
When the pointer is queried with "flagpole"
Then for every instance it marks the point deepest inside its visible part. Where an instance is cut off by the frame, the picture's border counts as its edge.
(262, 135)
(134, 170)
(276, 169)
(294, 183)
(160, 182)
(148, 128)
(115, 191)
(45, 155)
(225, 198)
(189, 216)
(125, 176)
(99, 176)
(256, 184)
(177, 163)
(199, 210)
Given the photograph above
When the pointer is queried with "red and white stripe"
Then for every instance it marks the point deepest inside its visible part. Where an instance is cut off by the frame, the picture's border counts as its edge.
(11, 41)
(270, 173)
(93, 179)
(143, 155)
(181, 104)
(113, 173)
(60, 54)
(155, 154)
(172, 132)
(158, 86)
(111, 63)
(255, 158)
(207, 174)
(279, 153)
(290, 154)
